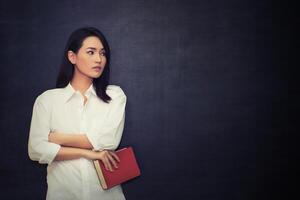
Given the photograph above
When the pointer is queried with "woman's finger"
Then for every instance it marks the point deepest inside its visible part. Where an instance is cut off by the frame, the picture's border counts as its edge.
(115, 156)
(106, 163)
(104, 159)
(112, 160)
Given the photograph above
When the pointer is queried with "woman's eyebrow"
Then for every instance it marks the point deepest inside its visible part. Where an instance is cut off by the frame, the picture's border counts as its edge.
(93, 48)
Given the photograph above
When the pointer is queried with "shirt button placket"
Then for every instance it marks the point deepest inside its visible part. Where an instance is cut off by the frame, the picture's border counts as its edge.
(83, 163)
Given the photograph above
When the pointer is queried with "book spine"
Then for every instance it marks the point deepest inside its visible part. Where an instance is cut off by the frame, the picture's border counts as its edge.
(100, 174)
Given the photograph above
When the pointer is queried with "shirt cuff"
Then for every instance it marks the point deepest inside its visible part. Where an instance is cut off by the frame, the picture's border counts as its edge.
(51, 151)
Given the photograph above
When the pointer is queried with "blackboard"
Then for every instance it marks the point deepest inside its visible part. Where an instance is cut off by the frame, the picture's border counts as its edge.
(206, 89)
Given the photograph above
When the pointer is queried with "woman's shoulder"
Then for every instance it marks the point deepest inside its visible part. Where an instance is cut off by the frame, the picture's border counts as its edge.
(115, 91)
(48, 95)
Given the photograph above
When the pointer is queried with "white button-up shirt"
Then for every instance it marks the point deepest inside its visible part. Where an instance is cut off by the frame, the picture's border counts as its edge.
(63, 110)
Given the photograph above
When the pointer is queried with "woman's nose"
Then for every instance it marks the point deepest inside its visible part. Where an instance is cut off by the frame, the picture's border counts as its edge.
(98, 58)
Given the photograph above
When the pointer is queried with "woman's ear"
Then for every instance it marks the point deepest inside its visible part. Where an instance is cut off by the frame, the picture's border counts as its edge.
(72, 57)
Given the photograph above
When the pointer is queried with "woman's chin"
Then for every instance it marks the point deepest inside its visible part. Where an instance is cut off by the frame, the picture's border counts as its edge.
(95, 75)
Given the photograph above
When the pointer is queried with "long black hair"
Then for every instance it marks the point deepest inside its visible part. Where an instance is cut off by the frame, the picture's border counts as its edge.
(74, 43)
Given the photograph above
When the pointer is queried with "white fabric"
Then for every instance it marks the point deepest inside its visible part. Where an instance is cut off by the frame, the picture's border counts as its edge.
(63, 110)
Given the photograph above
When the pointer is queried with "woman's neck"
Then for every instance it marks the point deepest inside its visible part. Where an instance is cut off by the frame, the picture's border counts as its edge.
(81, 83)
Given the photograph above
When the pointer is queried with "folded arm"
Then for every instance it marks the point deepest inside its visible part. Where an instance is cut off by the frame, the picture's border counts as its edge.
(45, 146)
(108, 158)
(70, 140)
(106, 135)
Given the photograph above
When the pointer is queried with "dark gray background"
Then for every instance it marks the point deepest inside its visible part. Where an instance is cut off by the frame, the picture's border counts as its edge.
(206, 88)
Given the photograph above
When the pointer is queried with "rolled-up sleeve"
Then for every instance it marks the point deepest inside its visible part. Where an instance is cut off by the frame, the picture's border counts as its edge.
(39, 149)
(108, 134)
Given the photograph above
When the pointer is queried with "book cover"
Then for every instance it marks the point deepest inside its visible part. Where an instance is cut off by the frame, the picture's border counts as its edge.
(127, 169)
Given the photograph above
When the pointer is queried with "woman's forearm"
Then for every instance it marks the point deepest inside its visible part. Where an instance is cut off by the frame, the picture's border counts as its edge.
(70, 140)
(69, 153)
(108, 158)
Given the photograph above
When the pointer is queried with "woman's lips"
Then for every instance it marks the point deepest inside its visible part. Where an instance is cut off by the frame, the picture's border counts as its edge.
(98, 69)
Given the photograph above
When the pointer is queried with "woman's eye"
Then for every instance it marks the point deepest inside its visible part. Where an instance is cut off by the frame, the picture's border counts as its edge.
(90, 52)
(103, 53)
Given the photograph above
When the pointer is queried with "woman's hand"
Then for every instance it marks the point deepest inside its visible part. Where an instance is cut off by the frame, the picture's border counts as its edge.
(108, 158)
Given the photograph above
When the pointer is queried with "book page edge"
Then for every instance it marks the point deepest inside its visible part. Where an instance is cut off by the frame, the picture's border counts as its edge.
(100, 174)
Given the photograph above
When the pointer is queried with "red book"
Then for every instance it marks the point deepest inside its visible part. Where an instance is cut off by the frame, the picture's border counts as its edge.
(127, 169)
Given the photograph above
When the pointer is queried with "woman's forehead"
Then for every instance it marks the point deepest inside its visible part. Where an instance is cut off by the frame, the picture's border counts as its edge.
(93, 42)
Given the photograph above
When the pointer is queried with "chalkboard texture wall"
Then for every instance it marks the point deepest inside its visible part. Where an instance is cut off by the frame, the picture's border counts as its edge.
(207, 106)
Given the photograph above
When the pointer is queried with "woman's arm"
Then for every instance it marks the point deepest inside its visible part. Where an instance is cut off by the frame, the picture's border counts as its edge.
(70, 140)
(39, 148)
(108, 158)
(69, 153)
(111, 130)
(106, 134)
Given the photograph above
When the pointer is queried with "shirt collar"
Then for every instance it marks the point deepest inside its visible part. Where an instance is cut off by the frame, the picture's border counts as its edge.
(69, 91)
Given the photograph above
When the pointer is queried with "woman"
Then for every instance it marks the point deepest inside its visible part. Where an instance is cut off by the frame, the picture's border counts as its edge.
(79, 121)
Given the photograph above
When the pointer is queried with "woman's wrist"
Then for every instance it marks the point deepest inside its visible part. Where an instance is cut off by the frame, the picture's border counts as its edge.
(88, 154)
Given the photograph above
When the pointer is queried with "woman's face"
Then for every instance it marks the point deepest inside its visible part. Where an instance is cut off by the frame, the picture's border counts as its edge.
(90, 59)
